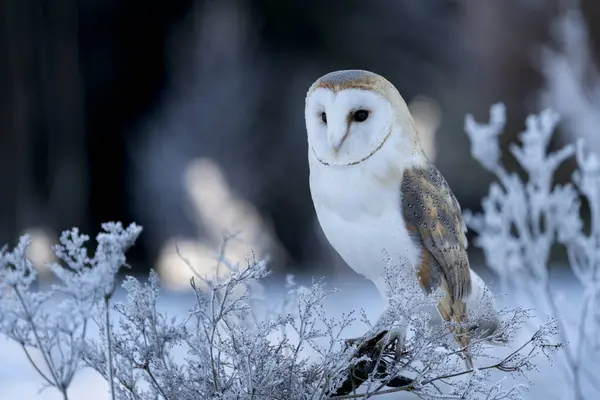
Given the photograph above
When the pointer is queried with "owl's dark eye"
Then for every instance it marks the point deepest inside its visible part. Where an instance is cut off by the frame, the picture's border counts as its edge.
(360, 115)
(324, 117)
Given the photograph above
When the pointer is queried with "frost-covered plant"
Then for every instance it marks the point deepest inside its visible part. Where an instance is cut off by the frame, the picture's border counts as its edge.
(524, 218)
(55, 322)
(231, 345)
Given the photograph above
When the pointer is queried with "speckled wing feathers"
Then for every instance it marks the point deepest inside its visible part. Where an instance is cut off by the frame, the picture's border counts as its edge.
(433, 215)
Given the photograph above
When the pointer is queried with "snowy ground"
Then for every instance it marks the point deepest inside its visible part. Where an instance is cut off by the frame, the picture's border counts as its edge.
(19, 381)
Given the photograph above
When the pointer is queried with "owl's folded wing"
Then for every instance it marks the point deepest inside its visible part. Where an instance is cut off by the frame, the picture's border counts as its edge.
(432, 214)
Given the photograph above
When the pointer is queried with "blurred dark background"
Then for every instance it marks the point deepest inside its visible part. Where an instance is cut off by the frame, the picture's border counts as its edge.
(186, 116)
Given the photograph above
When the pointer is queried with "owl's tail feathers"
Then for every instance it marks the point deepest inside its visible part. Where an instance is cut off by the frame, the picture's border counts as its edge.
(456, 311)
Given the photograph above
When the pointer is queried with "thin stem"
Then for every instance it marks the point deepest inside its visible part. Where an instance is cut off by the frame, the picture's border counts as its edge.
(212, 341)
(562, 331)
(109, 358)
(39, 371)
(45, 353)
(155, 382)
(578, 364)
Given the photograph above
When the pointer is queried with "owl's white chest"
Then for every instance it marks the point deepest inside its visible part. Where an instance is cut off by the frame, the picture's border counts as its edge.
(361, 217)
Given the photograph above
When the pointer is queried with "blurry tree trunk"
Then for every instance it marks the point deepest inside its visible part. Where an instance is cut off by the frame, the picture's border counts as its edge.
(42, 143)
(504, 38)
(591, 12)
(63, 112)
(19, 106)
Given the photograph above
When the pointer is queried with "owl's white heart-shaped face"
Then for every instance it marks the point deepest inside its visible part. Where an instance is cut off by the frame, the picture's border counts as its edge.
(348, 126)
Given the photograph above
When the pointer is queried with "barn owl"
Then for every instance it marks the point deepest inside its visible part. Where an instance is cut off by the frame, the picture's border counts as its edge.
(375, 191)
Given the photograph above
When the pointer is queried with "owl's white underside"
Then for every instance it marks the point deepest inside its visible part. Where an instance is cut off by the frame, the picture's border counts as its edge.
(361, 216)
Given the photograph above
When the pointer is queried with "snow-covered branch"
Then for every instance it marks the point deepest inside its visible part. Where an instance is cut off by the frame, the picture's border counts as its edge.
(524, 219)
(232, 344)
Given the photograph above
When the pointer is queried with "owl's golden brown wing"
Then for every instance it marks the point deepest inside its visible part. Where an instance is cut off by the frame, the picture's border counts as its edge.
(433, 216)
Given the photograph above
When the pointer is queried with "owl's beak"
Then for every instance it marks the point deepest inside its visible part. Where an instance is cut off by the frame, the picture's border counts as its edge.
(336, 139)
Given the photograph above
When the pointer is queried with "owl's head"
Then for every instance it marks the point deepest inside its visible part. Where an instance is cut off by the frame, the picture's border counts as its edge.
(352, 114)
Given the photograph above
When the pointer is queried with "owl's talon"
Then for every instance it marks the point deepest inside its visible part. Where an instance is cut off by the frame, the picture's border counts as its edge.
(395, 337)
(368, 340)
(379, 341)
